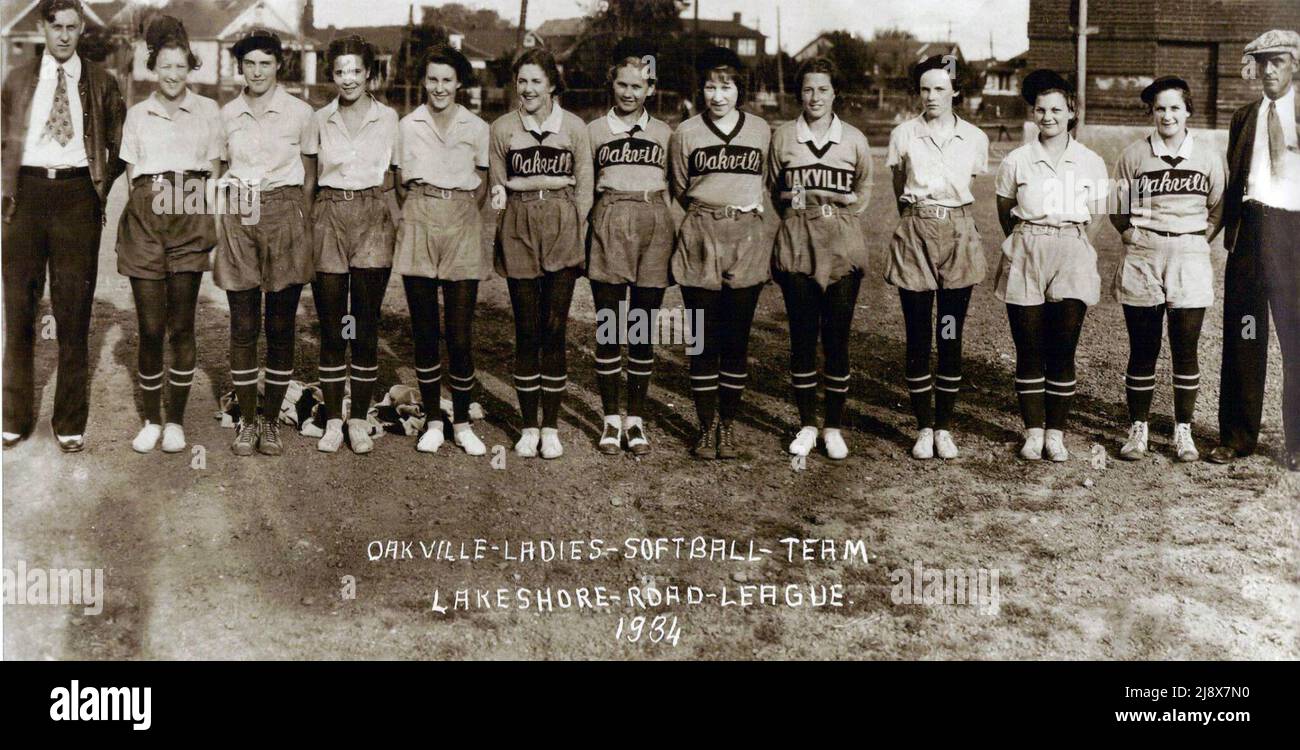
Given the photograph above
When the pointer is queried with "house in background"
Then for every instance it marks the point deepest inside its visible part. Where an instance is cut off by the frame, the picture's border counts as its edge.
(21, 41)
(563, 36)
(1000, 96)
(816, 48)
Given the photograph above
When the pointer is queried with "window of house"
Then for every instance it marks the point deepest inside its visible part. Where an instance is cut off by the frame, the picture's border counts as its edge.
(747, 47)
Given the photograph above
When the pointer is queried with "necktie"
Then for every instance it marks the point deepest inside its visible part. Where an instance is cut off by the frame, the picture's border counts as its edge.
(59, 124)
(539, 136)
(1276, 142)
(632, 131)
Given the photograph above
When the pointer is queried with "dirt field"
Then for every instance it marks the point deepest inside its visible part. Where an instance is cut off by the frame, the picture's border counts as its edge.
(244, 558)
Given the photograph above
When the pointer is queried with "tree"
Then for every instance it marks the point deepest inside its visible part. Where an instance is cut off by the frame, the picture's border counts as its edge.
(852, 56)
(614, 20)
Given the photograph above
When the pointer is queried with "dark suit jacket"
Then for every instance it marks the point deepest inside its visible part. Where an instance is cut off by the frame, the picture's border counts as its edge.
(102, 111)
(1241, 141)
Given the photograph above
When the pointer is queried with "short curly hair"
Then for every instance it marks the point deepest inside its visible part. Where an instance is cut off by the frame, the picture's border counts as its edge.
(445, 54)
(818, 65)
(167, 32)
(948, 64)
(542, 58)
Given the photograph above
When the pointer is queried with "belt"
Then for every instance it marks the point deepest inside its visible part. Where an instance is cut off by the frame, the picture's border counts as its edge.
(722, 212)
(823, 211)
(1032, 228)
(646, 196)
(421, 188)
(168, 177)
(933, 211)
(528, 196)
(1172, 234)
(340, 194)
(284, 191)
(55, 174)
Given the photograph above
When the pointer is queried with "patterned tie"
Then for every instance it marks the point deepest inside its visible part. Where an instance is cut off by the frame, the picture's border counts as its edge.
(59, 125)
(1276, 141)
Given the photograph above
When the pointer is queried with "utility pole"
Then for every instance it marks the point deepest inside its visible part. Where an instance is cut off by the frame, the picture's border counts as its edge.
(780, 70)
(1084, 30)
(523, 25)
(406, 58)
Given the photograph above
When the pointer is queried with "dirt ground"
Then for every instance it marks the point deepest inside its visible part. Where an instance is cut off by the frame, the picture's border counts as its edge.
(244, 559)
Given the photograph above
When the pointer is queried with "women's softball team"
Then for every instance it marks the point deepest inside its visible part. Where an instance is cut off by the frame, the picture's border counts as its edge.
(349, 194)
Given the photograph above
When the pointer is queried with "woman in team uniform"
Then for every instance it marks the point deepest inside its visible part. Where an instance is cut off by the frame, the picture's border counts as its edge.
(541, 175)
(267, 145)
(1051, 201)
(723, 251)
(820, 172)
(1175, 190)
(171, 142)
(630, 242)
(442, 188)
(936, 257)
(355, 141)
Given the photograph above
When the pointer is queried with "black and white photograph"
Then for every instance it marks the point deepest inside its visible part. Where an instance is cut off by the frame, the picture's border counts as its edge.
(622, 330)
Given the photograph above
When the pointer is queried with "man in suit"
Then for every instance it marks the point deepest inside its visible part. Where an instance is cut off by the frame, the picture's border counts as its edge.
(62, 127)
(1261, 220)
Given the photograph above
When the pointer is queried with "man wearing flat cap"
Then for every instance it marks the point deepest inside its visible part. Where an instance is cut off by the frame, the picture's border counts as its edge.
(1261, 221)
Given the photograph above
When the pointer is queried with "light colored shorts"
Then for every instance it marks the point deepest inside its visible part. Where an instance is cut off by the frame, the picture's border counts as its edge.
(719, 246)
(352, 232)
(1158, 270)
(631, 239)
(538, 233)
(441, 236)
(936, 248)
(1048, 264)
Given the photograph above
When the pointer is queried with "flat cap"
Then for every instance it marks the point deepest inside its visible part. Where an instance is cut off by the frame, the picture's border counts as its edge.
(1277, 40)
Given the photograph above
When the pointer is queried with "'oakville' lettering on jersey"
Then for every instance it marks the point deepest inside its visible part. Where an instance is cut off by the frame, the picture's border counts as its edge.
(631, 151)
(540, 161)
(1172, 182)
(817, 177)
(726, 158)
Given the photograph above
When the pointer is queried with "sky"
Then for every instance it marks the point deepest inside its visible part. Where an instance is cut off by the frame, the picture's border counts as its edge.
(971, 21)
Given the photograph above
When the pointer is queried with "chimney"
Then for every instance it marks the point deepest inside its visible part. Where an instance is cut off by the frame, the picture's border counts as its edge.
(735, 17)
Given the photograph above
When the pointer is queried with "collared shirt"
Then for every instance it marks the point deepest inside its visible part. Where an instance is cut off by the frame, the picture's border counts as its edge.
(156, 142)
(1171, 192)
(629, 157)
(40, 150)
(1261, 184)
(267, 150)
(717, 168)
(1053, 194)
(354, 161)
(450, 160)
(938, 173)
(830, 172)
(552, 124)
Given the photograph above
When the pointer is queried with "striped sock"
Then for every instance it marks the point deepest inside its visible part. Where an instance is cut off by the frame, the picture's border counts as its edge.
(1059, 395)
(553, 387)
(946, 388)
(837, 392)
(732, 389)
(1138, 390)
(151, 395)
(609, 371)
(704, 390)
(245, 385)
(805, 396)
(528, 389)
(277, 382)
(462, 392)
(178, 393)
(1186, 387)
(332, 379)
(363, 379)
(430, 381)
(919, 389)
(638, 383)
(1030, 392)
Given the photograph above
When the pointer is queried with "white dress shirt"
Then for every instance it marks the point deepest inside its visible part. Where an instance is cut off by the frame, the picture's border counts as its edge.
(1278, 191)
(40, 150)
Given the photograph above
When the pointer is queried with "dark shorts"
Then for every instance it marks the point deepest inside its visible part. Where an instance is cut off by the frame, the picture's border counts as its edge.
(157, 238)
(272, 253)
(824, 242)
(719, 246)
(631, 239)
(355, 232)
(537, 235)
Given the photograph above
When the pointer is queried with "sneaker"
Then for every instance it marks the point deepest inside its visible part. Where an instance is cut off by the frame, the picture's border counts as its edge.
(1135, 448)
(726, 440)
(432, 438)
(71, 443)
(924, 446)
(1054, 446)
(332, 440)
(637, 442)
(804, 441)
(173, 440)
(1184, 446)
(245, 437)
(527, 445)
(147, 438)
(944, 446)
(359, 436)
(551, 445)
(611, 440)
(834, 442)
(706, 447)
(466, 440)
(1032, 450)
(268, 442)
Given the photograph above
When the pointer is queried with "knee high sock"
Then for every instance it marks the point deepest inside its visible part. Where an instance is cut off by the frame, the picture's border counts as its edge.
(1064, 321)
(608, 298)
(422, 304)
(804, 307)
(1143, 325)
(367, 297)
(151, 316)
(557, 296)
(280, 319)
(329, 292)
(182, 298)
(641, 355)
(841, 300)
(952, 305)
(737, 310)
(1184, 335)
(702, 306)
(1027, 332)
(916, 322)
(459, 298)
(245, 327)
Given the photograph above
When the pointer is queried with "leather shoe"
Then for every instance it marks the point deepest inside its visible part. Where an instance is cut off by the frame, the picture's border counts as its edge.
(13, 438)
(73, 444)
(1223, 454)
